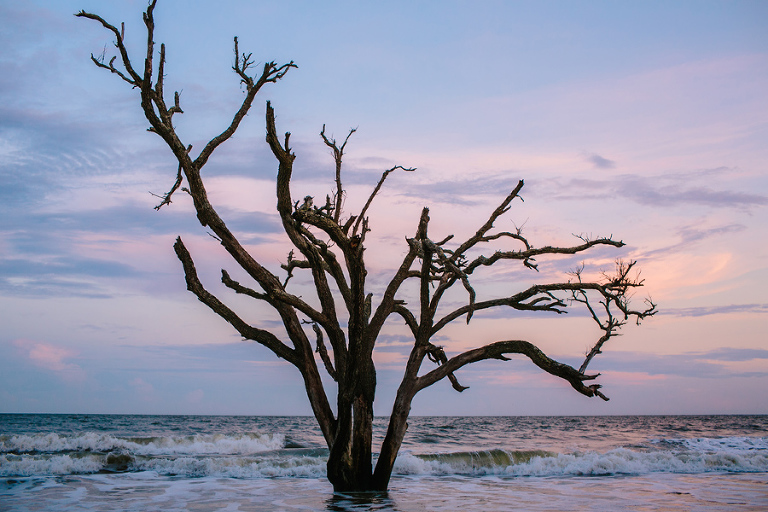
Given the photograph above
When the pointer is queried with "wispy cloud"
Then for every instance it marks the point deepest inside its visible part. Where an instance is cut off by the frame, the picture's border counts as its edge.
(710, 364)
(600, 162)
(644, 191)
(716, 310)
(692, 235)
(667, 190)
(471, 191)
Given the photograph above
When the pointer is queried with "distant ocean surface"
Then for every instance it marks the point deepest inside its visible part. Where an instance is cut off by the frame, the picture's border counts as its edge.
(488, 464)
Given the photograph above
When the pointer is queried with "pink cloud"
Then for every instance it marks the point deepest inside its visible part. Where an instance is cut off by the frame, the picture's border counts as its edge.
(52, 358)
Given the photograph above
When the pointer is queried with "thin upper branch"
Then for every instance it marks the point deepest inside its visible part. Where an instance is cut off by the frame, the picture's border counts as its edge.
(527, 256)
(166, 198)
(132, 77)
(376, 191)
(338, 154)
(270, 73)
(613, 295)
(480, 234)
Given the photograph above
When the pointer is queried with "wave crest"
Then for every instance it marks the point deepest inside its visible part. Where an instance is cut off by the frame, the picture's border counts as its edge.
(232, 444)
(255, 455)
(738, 454)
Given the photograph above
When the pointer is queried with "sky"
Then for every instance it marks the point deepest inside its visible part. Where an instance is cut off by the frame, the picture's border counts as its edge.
(645, 121)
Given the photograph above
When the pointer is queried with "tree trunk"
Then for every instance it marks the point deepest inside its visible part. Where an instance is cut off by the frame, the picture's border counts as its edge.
(349, 462)
(398, 424)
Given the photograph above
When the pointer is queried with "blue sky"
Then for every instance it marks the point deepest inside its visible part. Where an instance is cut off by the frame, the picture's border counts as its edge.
(645, 121)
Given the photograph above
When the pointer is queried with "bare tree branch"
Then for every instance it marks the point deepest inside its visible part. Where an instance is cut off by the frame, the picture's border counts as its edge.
(266, 338)
(132, 78)
(338, 153)
(166, 198)
(309, 246)
(323, 351)
(614, 294)
(270, 73)
(498, 350)
(238, 288)
(478, 236)
(410, 320)
(437, 355)
(373, 194)
(527, 256)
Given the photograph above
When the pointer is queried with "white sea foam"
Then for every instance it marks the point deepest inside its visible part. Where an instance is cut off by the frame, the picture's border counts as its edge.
(237, 467)
(743, 455)
(623, 461)
(11, 465)
(233, 444)
(254, 455)
(734, 443)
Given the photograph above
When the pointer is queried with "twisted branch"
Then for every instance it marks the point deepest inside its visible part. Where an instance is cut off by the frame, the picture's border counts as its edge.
(498, 350)
(261, 336)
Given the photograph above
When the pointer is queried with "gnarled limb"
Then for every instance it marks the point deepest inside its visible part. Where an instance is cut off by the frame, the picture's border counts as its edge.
(194, 285)
(535, 298)
(498, 350)
(303, 240)
(410, 320)
(437, 355)
(160, 120)
(527, 256)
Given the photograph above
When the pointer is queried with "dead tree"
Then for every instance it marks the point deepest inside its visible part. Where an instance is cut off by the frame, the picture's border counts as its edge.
(331, 246)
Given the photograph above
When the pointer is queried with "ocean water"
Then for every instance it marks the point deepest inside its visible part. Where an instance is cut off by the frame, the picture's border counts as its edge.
(489, 464)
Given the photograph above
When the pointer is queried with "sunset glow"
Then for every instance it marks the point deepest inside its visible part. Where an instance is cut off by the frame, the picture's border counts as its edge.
(643, 121)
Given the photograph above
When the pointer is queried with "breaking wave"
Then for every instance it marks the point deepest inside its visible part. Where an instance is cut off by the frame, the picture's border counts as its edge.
(703, 455)
(233, 444)
(254, 455)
